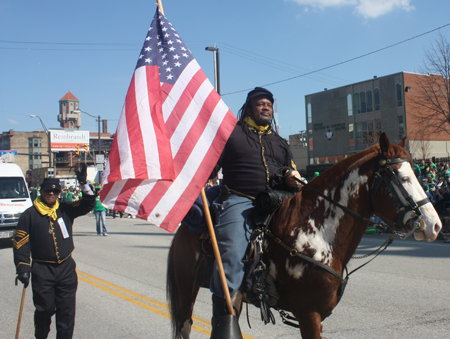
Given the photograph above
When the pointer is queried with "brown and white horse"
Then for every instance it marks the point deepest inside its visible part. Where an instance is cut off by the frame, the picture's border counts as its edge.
(313, 226)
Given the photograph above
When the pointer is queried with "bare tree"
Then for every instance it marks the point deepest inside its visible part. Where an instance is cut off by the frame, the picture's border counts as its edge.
(433, 90)
(419, 144)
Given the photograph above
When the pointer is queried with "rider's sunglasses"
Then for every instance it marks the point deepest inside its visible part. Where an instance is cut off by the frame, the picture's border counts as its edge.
(54, 191)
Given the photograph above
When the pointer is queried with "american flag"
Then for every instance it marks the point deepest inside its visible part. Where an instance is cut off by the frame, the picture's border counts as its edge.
(171, 132)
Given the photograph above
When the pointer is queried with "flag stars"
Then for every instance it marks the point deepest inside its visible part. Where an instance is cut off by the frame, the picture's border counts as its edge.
(171, 49)
(185, 55)
(179, 41)
(164, 55)
(166, 35)
(170, 77)
(148, 60)
(165, 62)
(170, 42)
(148, 38)
(177, 64)
(148, 49)
(164, 29)
(176, 56)
(168, 69)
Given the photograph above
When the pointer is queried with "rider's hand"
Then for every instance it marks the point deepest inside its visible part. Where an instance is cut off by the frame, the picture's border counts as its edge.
(290, 180)
(82, 174)
(24, 278)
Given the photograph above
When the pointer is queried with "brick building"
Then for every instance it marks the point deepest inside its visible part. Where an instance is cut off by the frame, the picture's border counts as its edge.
(348, 119)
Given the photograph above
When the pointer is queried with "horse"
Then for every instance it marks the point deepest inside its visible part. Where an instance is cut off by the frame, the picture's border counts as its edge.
(324, 227)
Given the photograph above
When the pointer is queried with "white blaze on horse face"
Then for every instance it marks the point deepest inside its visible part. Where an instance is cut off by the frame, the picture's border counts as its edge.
(320, 237)
(430, 216)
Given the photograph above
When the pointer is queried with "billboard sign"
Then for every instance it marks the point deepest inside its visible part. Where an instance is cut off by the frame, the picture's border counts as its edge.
(61, 140)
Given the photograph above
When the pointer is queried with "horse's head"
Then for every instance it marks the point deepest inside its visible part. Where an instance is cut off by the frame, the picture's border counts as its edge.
(414, 212)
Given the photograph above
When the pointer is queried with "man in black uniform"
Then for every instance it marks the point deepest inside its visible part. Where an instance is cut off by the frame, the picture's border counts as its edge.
(44, 231)
(251, 155)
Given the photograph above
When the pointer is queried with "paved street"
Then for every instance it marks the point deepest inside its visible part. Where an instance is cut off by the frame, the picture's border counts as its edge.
(404, 293)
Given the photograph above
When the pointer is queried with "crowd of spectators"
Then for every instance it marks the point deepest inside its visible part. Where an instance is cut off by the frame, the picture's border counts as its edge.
(435, 181)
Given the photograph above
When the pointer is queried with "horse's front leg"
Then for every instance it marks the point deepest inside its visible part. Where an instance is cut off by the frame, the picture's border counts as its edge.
(310, 325)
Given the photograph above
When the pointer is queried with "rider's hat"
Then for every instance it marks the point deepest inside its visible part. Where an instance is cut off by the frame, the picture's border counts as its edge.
(259, 92)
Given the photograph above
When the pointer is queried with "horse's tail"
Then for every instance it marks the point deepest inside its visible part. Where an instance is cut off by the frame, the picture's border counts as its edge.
(172, 294)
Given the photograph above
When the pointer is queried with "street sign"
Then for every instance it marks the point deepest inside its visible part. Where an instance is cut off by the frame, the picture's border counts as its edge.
(100, 167)
(100, 159)
(51, 172)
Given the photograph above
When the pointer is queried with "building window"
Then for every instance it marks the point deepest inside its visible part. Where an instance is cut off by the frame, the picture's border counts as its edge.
(349, 105)
(399, 95)
(362, 99)
(356, 107)
(309, 113)
(401, 129)
(377, 99)
(361, 133)
(35, 143)
(369, 100)
(350, 134)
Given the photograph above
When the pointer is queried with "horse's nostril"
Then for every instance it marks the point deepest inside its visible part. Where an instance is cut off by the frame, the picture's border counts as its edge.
(437, 228)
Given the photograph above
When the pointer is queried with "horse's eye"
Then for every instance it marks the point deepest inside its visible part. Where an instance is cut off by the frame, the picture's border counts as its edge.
(405, 179)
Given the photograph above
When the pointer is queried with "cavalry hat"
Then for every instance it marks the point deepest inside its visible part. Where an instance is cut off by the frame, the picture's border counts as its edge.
(260, 92)
(51, 184)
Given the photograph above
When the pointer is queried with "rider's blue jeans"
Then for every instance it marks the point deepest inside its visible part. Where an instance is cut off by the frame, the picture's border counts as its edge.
(232, 237)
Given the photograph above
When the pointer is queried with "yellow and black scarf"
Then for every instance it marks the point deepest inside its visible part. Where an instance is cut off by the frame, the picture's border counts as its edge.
(254, 126)
(45, 210)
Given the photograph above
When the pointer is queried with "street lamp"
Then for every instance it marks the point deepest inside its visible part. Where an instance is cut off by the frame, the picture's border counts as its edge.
(48, 137)
(215, 50)
(99, 147)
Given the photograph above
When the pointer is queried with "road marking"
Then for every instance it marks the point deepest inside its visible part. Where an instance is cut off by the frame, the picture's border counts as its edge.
(137, 299)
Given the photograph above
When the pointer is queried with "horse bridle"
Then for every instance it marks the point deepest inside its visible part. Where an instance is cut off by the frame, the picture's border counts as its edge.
(386, 174)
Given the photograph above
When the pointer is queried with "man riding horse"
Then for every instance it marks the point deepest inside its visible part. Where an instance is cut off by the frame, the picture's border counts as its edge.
(251, 156)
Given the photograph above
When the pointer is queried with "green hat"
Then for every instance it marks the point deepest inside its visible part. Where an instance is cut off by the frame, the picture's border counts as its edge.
(98, 188)
(316, 174)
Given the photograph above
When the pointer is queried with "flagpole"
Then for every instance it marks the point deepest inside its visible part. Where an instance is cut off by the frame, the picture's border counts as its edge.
(160, 6)
(215, 246)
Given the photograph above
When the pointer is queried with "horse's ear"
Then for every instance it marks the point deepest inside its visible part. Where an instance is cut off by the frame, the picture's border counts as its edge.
(403, 142)
(384, 143)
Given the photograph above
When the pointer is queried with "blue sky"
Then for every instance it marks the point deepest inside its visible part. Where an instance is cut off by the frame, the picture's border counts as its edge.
(91, 48)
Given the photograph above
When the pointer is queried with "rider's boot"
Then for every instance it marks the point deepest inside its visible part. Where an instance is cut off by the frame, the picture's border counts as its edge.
(224, 325)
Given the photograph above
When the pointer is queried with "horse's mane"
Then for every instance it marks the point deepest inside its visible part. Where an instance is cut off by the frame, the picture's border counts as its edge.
(355, 160)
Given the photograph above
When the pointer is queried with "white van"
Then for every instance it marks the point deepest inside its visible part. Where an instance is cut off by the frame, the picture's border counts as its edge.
(14, 198)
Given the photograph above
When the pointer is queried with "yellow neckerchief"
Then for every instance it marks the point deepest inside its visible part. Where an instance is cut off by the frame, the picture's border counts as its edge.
(44, 209)
(252, 125)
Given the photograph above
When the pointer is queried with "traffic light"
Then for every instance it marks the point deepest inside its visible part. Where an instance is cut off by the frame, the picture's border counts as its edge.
(78, 150)
(86, 147)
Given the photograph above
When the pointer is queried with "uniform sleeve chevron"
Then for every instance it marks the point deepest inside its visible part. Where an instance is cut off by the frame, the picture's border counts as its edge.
(21, 242)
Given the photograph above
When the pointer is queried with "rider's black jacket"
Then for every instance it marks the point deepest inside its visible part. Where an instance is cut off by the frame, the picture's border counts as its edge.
(248, 156)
